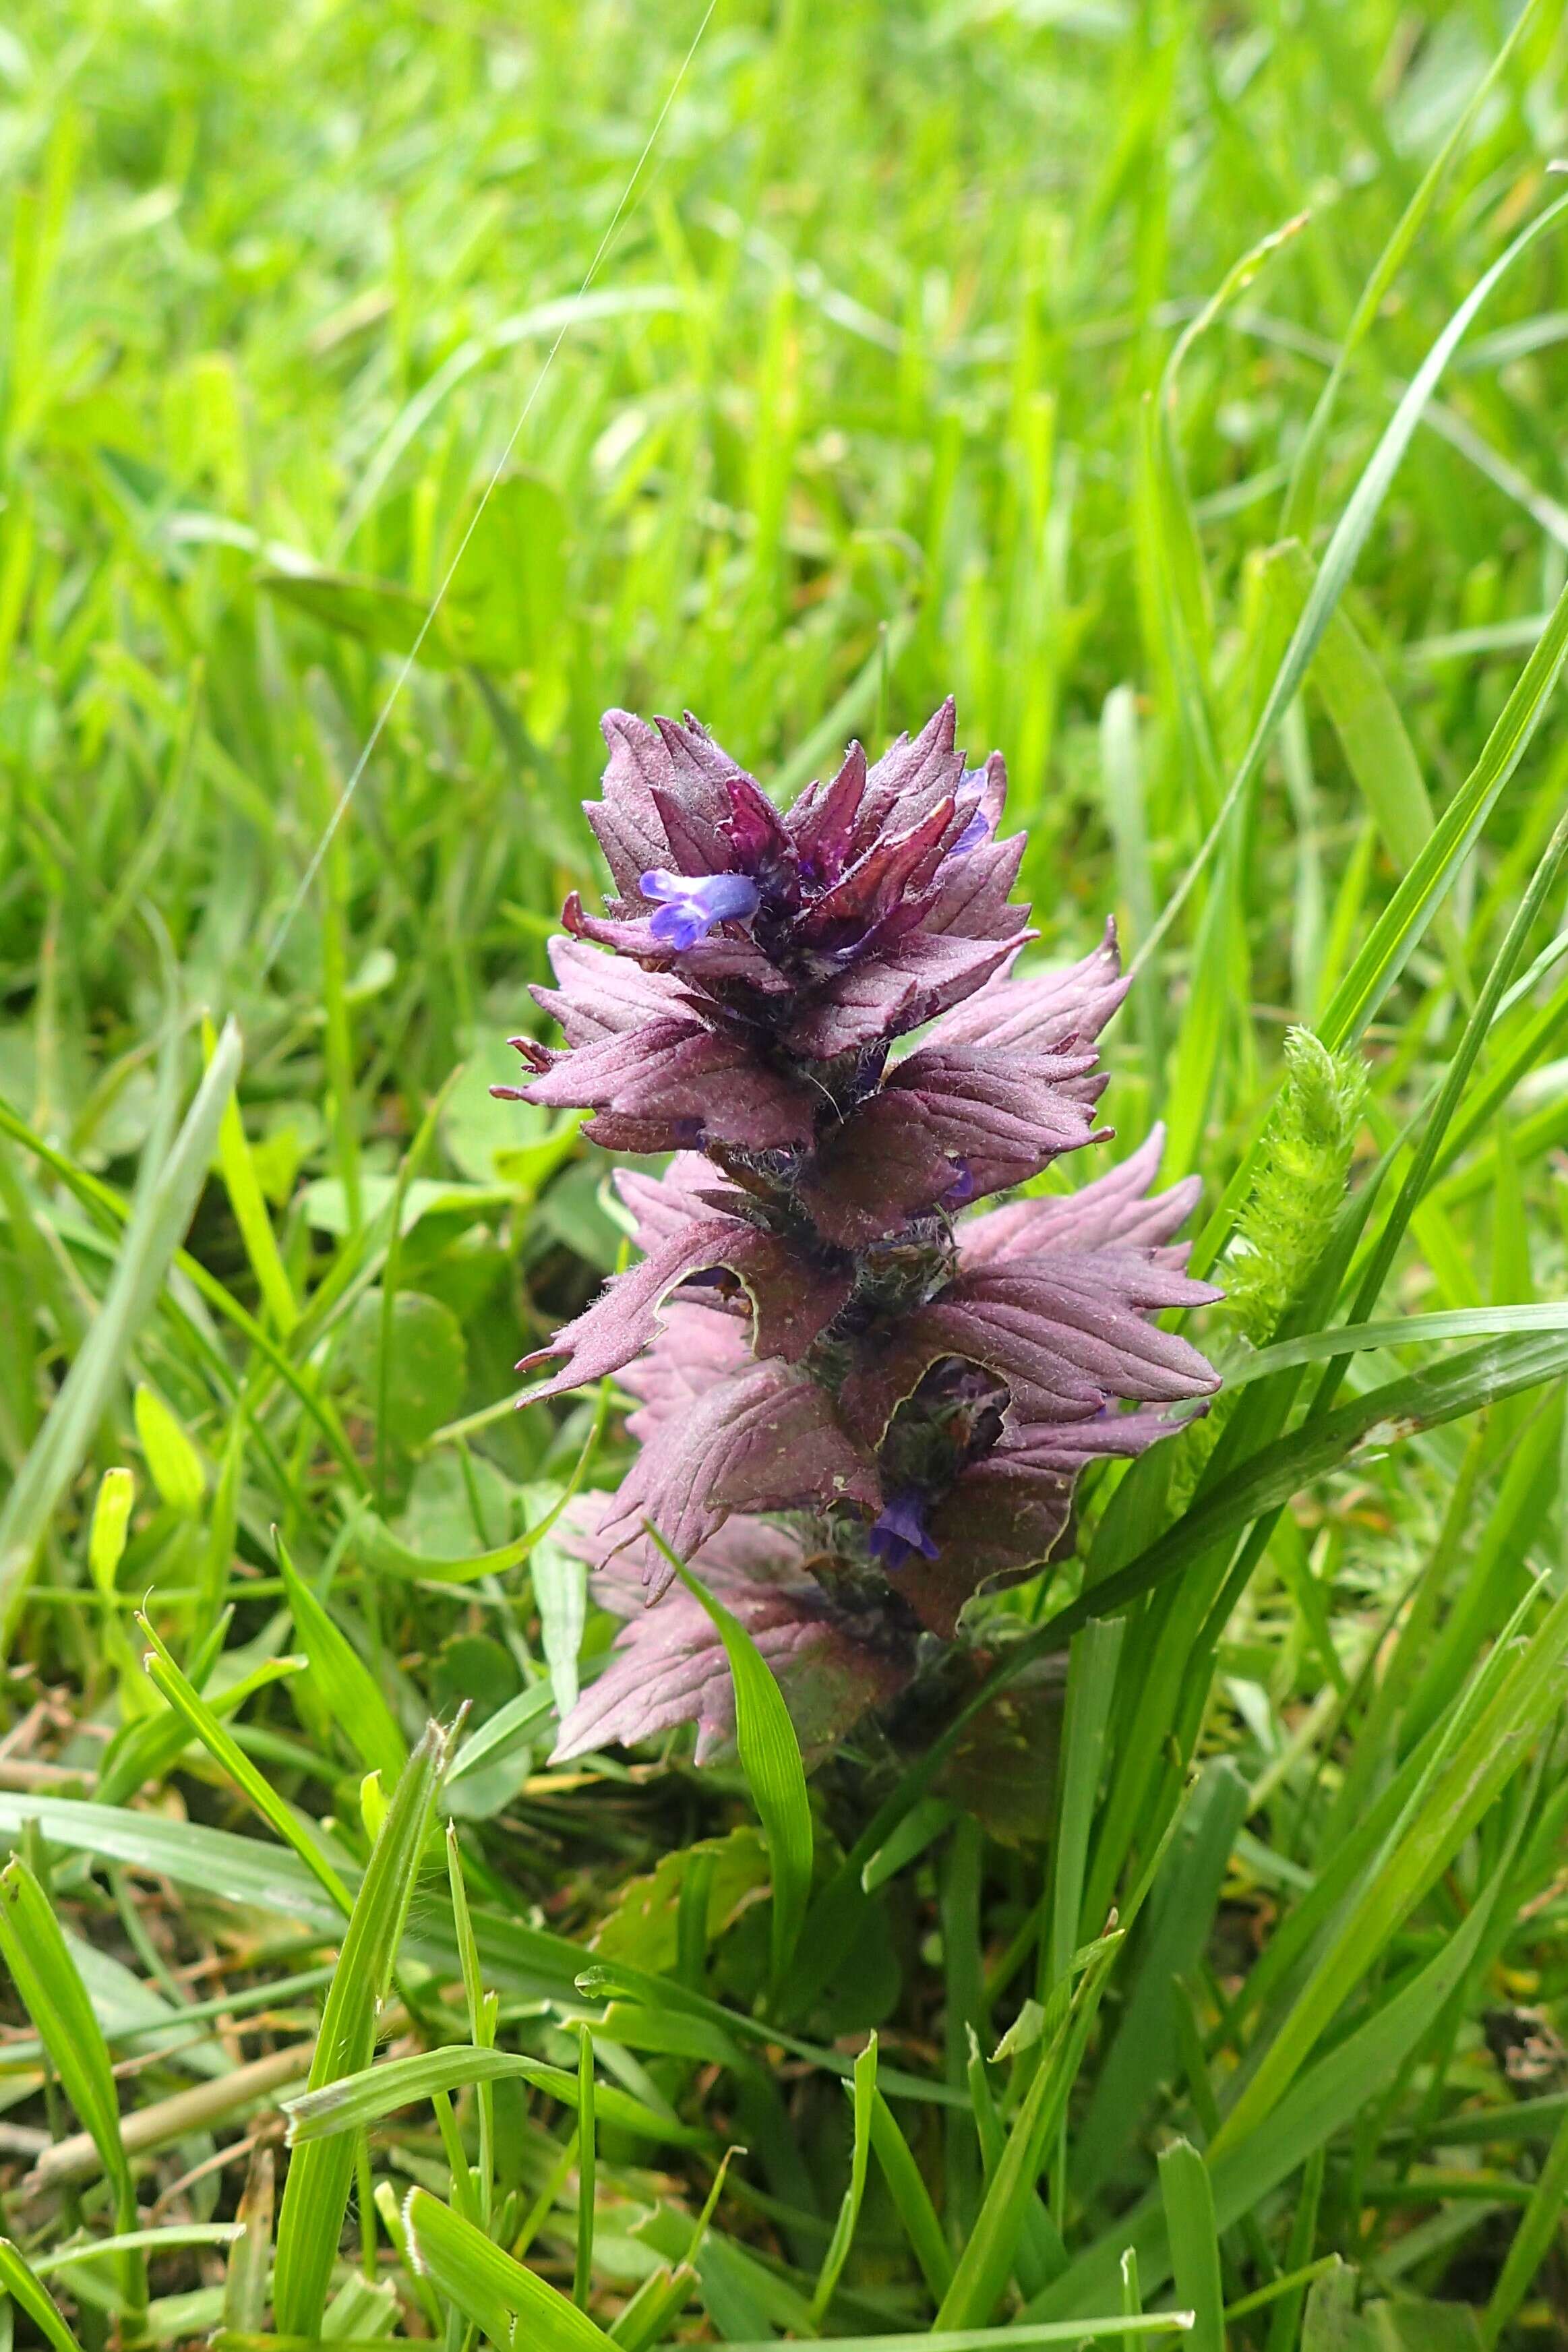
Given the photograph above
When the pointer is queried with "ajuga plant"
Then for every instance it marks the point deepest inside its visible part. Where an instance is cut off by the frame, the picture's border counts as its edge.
(859, 1401)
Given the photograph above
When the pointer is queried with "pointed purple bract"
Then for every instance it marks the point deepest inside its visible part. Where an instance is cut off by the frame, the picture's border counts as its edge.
(809, 1333)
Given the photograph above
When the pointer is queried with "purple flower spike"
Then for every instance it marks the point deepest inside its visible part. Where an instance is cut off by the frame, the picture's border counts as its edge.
(900, 1530)
(691, 907)
(856, 1404)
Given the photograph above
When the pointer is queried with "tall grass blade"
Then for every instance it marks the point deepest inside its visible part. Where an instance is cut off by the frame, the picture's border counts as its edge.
(315, 2196)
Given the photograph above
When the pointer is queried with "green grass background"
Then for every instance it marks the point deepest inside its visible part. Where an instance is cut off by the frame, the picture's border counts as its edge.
(862, 353)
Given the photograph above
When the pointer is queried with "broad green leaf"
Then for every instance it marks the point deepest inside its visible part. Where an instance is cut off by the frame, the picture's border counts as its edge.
(506, 607)
(421, 1371)
(352, 605)
(697, 1890)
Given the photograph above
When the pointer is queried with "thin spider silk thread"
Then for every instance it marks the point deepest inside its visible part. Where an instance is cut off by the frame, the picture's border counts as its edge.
(342, 805)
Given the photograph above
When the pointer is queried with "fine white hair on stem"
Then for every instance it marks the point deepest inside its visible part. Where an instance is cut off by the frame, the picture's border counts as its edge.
(341, 806)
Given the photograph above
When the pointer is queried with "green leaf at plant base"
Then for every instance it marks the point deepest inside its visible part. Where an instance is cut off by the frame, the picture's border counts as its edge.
(425, 1367)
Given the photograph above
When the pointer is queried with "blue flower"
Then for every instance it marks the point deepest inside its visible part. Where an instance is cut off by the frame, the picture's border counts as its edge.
(691, 904)
(901, 1529)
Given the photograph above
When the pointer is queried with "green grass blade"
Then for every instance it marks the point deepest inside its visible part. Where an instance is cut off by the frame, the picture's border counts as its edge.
(1323, 2103)
(19, 2282)
(654, 2308)
(346, 1689)
(1539, 2226)
(912, 2199)
(990, 2250)
(1373, 736)
(1091, 1689)
(587, 2170)
(489, 2288)
(352, 2102)
(1350, 536)
(843, 2238)
(1188, 2201)
(1460, 1791)
(46, 1977)
(1300, 499)
(162, 1211)
(770, 1758)
(1410, 1332)
(315, 2196)
(249, 2267)
(1399, 928)
(172, 1686)
(236, 1163)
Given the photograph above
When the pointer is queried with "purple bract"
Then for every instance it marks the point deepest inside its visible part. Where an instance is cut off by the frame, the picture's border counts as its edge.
(854, 1408)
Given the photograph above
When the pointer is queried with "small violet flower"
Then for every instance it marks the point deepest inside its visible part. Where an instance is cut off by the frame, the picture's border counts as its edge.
(692, 905)
(901, 1529)
(858, 1401)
